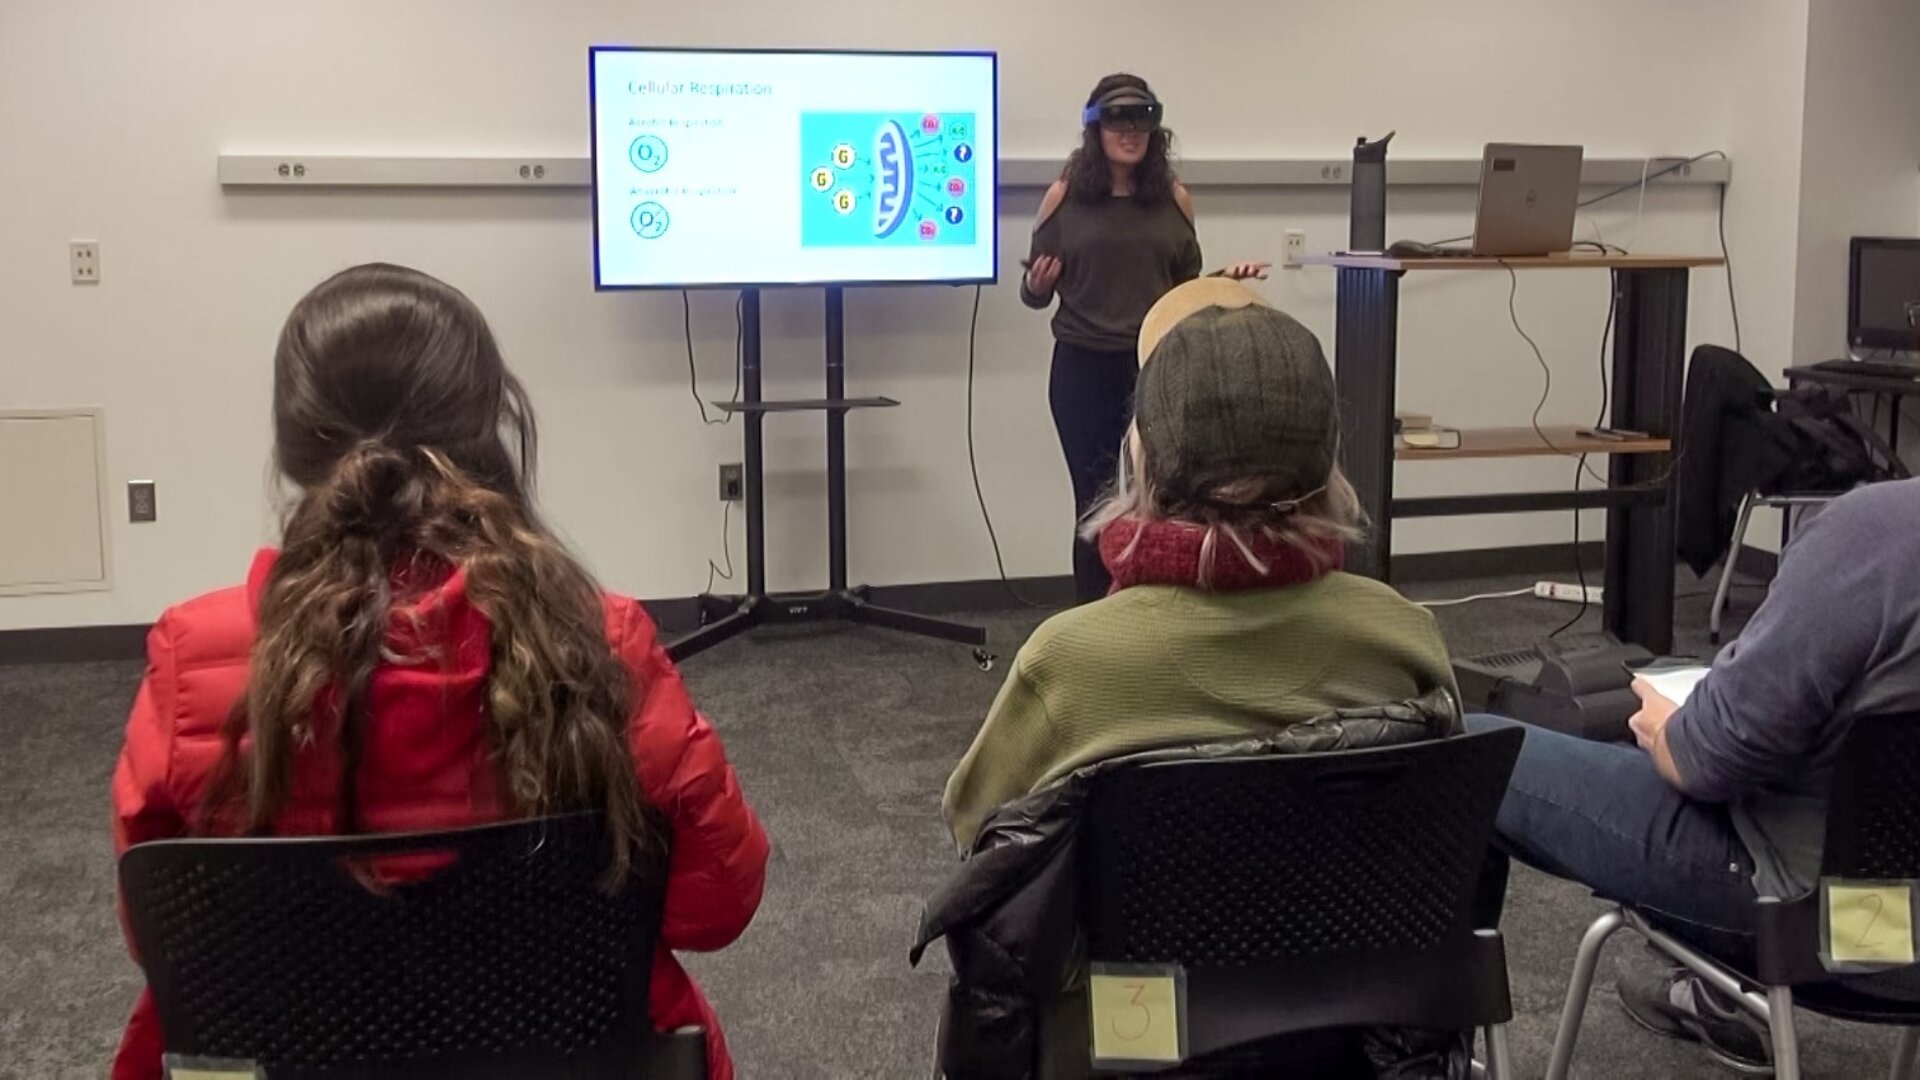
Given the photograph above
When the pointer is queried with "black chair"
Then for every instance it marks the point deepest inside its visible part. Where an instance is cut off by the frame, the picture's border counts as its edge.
(1299, 893)
(1873, 832)
(484, 953)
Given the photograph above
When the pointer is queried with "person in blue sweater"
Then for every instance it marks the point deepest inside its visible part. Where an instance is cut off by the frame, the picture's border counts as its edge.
(1724, 799)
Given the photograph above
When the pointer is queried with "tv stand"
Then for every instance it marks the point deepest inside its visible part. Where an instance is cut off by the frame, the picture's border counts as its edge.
(725, 617)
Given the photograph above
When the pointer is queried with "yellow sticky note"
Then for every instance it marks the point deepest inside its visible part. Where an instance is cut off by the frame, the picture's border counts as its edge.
(1136, 1017)
(1870, 924)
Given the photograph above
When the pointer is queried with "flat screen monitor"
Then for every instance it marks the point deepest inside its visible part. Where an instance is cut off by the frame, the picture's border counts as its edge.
(776, 167)
(1883, 293)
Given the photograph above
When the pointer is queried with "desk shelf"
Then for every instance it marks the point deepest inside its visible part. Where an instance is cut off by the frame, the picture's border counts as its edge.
(1564, 261)
(1526, 442)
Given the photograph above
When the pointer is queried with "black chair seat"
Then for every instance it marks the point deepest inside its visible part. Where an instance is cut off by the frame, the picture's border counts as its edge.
(1458, 985)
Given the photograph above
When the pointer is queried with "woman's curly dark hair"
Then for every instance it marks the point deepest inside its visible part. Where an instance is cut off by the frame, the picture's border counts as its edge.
(1086, 174)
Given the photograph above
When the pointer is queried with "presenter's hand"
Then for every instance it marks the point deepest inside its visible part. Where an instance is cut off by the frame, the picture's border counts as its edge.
(1043, 275)
(1246, 270)
(1650, 723)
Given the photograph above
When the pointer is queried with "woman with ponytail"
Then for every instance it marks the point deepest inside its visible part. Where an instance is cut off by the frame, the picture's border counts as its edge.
(421, 652)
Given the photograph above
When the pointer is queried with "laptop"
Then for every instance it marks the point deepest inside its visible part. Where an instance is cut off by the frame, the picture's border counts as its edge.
(1528, 195)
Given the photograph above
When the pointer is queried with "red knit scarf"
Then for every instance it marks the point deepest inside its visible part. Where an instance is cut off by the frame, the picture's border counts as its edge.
(1168, 553)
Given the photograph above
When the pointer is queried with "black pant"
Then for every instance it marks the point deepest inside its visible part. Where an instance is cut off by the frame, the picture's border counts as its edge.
(1091, 393)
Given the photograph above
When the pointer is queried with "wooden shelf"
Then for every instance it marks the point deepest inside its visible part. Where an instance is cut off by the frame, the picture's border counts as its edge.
(1564, 261)
(1526, 442)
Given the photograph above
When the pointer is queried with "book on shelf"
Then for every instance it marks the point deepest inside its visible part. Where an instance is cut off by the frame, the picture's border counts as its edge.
(1429, 438)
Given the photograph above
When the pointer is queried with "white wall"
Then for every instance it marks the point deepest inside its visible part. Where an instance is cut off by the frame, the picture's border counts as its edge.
(112, 114)
(1861, 170)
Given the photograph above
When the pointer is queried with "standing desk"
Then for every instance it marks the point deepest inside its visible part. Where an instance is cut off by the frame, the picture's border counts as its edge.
(1649, 359)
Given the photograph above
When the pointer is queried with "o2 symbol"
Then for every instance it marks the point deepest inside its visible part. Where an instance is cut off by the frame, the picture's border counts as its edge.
(954, 215)
(963, 153)
(648, 153)
(650, 220)
(930, 124)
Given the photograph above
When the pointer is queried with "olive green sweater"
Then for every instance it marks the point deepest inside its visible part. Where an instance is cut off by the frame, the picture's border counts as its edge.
(1161, 665)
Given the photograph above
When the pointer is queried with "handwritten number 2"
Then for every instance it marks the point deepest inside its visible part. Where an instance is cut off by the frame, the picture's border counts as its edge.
(1879, 903)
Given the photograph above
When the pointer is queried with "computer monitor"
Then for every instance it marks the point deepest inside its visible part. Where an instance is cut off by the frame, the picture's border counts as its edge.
(1883, 293)
(750, 167)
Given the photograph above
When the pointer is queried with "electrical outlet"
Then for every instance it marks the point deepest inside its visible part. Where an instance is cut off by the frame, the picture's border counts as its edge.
(83, 260)
(1295, 250)
(733, 482)
(141, 506)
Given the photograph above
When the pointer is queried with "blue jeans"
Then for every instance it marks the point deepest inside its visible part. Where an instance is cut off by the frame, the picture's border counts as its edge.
(1599, 814)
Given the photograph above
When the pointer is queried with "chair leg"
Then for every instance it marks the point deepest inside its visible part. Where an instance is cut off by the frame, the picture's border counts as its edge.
(1712, 973)
(939, 1042)
(1904, 1054)
(1499, 1054)
(1786, 1042)
(1726, 569)
(1578, 988)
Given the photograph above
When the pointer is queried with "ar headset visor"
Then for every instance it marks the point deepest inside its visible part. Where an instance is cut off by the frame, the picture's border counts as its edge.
(1126, 111)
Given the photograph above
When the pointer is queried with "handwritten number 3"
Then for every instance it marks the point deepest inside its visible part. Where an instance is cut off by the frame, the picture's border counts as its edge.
(1146, 1015)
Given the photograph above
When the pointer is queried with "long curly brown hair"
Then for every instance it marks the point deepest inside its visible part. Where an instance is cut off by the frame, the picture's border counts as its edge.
(1087, 176)
(410, 445)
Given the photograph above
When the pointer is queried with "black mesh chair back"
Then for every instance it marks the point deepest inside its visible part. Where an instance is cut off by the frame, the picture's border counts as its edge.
(488, 952)
(1873, 815)
(1873, 833)
(1303, 892)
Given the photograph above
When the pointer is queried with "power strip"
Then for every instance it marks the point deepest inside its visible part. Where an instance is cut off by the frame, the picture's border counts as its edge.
(1555, 590)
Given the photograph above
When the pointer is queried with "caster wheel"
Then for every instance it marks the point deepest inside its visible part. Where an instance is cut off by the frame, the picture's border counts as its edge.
(984, 658)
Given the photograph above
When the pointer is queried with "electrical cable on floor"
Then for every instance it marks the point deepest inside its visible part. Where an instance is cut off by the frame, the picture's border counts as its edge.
(973, 461)
(1477, 598)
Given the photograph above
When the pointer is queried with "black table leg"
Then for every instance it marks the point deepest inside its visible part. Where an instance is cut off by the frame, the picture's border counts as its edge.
(1649, 360)
(1366, 326)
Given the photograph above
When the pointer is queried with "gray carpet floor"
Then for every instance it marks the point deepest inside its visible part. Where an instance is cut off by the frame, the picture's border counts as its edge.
(843, 738)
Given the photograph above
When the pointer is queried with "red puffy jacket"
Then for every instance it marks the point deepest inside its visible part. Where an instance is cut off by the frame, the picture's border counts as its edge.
(425, 767)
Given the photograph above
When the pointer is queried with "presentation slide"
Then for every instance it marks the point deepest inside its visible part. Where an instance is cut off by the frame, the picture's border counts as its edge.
(775, 168)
